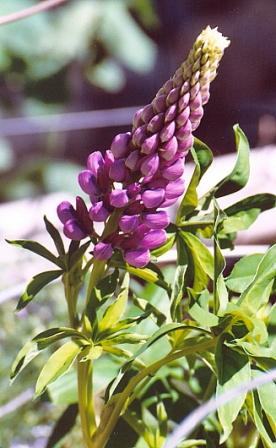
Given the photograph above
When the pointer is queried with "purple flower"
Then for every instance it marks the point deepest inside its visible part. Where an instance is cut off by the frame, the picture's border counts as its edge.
(138, 258)
(119, 198)
(98, 212)
(157, 220)
(102, 251)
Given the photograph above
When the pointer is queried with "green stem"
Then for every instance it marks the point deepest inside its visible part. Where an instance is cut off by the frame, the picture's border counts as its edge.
(110, 417)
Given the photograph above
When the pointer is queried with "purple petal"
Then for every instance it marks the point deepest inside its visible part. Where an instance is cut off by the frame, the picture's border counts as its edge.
(65, 211)
(185, 131)
(137, 120)
(73, 230)
(98, 212)
(88, 183)
(120, 145)
(138, 258)
(175, 189)
(149, 165)
(183, 117)
(153, 198)
(132, 161)
(173, 96)
(168, 202)
(196, 102)
(174, 171)
(156, 123)
(139, 135)
(153, 239)
(133, 190)
(150, 145)
(167, 132)
(183, 101)
(117, 171)
(94, 161)
(118, 198)
(103, 251)
(159, 103)
(108, 160)
(169, 149)
(128, 223)
(147, 113)
(185, 145)
(171, 113)
(157, 220)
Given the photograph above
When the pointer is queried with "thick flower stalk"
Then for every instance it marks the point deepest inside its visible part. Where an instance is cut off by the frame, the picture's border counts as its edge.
(142, 172)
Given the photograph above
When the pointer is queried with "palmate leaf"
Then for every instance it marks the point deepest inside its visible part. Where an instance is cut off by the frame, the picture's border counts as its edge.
(36, 284)
(41, 341)
(239, 175)
(58, 364)
(203, 158)
(233, 369)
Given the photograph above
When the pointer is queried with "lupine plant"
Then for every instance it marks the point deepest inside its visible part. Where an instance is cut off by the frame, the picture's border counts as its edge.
(175, 340)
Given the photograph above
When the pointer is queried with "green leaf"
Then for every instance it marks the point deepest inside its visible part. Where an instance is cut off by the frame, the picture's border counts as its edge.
(233, 369)
(238, 177)
(220, 291)
(165, 247)
(146, 306)
(107, 286)
(203, 158)
(74, 256)
(151, 274)
(58, 364)
(258, 291)
(202, 260)
(55, 235)
(126, 338)
(52, 335)
(256, 350)
(243, 273)
(263, 201)
(28, 352)
(116, 310)
(203, 317)
(38, 249)
(266, 392)
(36, 284)
(240, 221)
(63, 426)
(256, 412)
(41, 341)
(177, 291)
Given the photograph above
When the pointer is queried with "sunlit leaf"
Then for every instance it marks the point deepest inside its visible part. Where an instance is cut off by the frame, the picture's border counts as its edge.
(243, 272)
(58, 364)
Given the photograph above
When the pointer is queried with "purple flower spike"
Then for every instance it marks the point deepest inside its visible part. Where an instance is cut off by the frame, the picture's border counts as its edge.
(150, 165)
(128, 223)
(119, 145)
(167, 132)
(65, 211)
(87, 183)
(153, 198)
(98, 212)
(73, 230)
(138, 258)
(103, 251)
(153, 239)
(175, 189)
(174, 171)
(157, 220)
(117, 170)
(118, 198)
(185, 145)
(94, 162)
(139, 135)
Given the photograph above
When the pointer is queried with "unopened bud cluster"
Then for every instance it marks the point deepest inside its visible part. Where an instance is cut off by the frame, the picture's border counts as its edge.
(142, 172)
